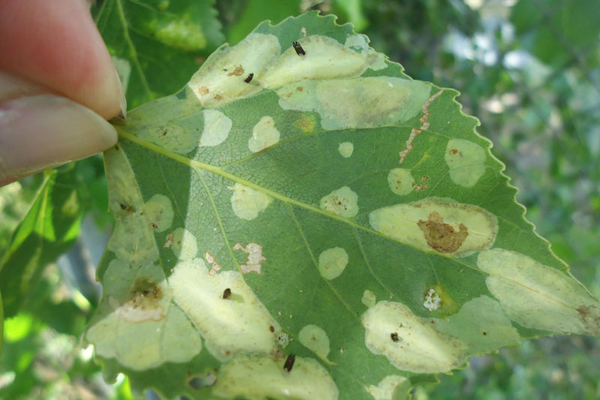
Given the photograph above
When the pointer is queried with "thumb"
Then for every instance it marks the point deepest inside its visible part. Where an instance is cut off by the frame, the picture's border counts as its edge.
(39, 130)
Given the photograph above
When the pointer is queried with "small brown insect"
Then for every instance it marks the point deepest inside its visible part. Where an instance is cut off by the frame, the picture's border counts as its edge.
(289, 362)
(299, 50)
(395, 337)
(272, 328)
(227, 293)
(249, 78)
(123, 206)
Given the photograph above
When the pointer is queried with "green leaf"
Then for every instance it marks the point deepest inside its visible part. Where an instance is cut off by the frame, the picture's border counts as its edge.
(257, 11)
(1, 325)
(49, 229)
(311, 202)
(157, 44)
(556, 31)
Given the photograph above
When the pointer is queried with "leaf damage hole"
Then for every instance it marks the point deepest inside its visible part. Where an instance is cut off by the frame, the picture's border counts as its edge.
(440, 236)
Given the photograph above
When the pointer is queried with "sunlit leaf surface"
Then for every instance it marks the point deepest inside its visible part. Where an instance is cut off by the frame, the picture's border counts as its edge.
(303, 220)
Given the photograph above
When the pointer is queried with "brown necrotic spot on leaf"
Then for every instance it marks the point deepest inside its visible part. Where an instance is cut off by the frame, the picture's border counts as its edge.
(238, 71)
(440, 236)
(438, 224)
(148, 290)
(144, 303)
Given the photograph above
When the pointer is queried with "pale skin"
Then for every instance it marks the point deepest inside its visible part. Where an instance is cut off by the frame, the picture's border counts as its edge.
(58, 87)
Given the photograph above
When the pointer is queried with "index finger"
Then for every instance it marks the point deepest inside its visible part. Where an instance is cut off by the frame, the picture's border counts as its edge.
(57, 45)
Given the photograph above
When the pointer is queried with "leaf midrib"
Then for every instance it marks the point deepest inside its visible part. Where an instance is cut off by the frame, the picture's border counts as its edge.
(197, 165)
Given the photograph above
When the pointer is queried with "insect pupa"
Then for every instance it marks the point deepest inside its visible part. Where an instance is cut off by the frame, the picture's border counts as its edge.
(299, 50)
(289, 362)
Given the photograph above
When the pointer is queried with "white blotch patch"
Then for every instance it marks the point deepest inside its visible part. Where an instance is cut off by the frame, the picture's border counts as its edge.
(438, 224)
(260, 377)
(332, 262)
(346, 149)
(238, 324)
(369, 299)
(408, 342)
(159, 212)
(391, 387)
(325, 58)
(466, 161)
(482, 324)
(248, 203)
(135, 323)
(357, 103)
(216, 128)
(185, 245)
(132, 240)
(433, 301)
(401, 181)
(221, 79)
(360, 43)
(537, 296)
(283, 339)
(315, 339)
(255, 257)
(342, 202)
(264, 134)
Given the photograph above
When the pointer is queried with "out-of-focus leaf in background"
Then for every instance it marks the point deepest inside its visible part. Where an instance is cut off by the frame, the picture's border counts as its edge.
(157, 44)
(257, 11)
(49, 229)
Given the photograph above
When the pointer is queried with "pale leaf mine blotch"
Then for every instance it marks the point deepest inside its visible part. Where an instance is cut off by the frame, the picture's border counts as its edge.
(342, 202)
(248, 203)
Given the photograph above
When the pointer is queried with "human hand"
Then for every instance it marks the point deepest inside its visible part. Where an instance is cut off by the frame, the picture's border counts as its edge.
(57, 86)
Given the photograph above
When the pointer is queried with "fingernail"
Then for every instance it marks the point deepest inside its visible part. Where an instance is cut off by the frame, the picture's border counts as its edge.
(44, 131)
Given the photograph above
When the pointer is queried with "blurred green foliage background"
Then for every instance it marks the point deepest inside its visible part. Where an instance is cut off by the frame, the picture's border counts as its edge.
(528, 69)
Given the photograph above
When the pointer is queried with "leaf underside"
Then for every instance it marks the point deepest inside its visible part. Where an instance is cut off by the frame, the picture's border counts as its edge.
(312, 200)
